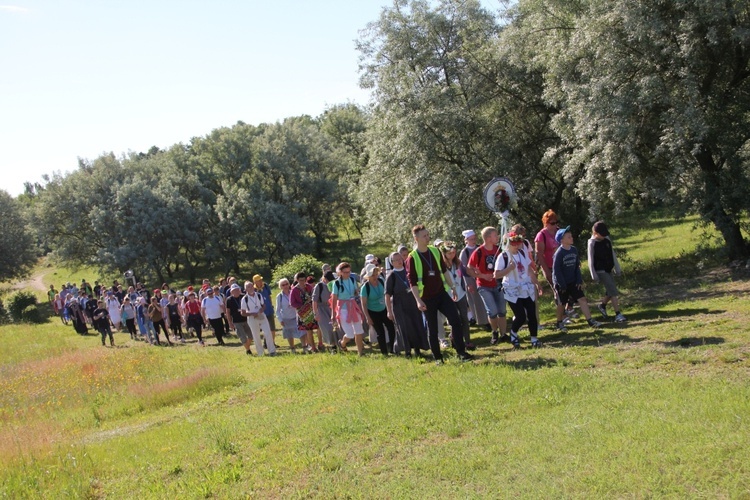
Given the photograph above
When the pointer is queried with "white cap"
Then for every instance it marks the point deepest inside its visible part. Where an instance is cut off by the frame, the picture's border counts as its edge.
(438, 241)
(369, 257)
(468, 233)
(370, 268)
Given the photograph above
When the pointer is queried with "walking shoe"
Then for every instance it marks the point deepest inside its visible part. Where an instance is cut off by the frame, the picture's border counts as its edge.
(201, 343)
(620, 318)
(560, 325)
(439, 361)
(465, 357)
(494, 340)
(566, 321)
(487, 328)
(536, 344)
(321, 347)
(504, 338)
(249, 352)
(603, 309)
(594, 323)
(470, 346)
(444, 344)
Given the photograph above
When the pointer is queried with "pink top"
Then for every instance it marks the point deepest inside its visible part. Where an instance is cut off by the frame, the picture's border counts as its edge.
(550, 245)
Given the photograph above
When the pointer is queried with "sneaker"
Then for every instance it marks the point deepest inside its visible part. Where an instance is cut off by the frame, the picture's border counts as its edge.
(439, 361)
(494, 340)
(465, 357)
(487, 328)
(444, 344)
(603, 309)
(566, 321)
(201, 343)
(536, 344)
(620, 318)
(561, 326)
(505, 338)
(470, 346)
(571, 313)
(321, 347)
(594, 323)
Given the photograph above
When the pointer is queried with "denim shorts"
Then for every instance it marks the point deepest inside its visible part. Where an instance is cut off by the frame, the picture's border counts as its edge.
(494, 301)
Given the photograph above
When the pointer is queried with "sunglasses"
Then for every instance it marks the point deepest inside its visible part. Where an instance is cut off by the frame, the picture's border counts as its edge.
(553, 222)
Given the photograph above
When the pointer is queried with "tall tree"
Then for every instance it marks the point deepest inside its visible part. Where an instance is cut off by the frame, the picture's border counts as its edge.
(653, 99)
(18, 251)
(454, 110)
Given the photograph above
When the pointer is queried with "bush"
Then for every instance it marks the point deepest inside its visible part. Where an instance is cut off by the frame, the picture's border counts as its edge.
(3, 313)
(307, 263)
(31, 314)
(20, 308)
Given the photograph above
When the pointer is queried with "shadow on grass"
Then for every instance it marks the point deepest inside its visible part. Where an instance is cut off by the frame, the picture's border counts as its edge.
(694, 342)
(590, 338)
(656, 316)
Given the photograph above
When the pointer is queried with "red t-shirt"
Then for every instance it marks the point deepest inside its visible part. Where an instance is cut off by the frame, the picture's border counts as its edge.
(193, 307)
(483, 260)
(431, 272)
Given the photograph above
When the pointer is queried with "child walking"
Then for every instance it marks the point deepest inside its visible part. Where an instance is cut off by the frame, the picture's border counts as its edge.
(602, 262)
(567, 279)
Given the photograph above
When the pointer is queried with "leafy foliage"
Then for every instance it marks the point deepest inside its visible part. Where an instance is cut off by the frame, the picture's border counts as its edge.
(18, 250)
(305, 263)
(22, 307)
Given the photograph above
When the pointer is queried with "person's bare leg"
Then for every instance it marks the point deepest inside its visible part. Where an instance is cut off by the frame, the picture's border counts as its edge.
(360, 341)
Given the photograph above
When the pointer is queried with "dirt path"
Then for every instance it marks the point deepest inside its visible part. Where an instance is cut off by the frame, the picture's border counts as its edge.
(34, 283)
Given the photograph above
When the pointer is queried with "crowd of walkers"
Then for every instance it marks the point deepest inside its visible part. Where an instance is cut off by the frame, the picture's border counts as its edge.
(402, 306)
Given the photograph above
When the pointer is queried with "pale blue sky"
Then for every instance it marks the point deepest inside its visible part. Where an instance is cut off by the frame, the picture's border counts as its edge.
(79, 78)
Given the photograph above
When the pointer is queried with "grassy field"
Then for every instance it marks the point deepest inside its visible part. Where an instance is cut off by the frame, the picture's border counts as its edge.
(655, 407)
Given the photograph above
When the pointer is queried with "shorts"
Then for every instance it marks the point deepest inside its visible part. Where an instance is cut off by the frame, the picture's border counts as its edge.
(243, 331)
(352, 329)
(606, 279)
(568, 295)
(494, 301)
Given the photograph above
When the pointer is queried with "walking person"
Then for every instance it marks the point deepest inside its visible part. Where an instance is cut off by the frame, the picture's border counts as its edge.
(101, 320)
(174, 318)
(477, 312)
(411, 333)
(453, 264)
(301, 300)
(345, 309)
(430, 283)
(212, 309)
(566, 276)
(194, 316)
(287, 315)
(252, 307)
(127, 313)
(603, 264)
(113, 308)
(482, 267)
(237, 319)
(372, 295)
(321, 307)
(515, 267)
(156, 315)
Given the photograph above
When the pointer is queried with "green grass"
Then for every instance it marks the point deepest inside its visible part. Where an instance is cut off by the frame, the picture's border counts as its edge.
(656, 407)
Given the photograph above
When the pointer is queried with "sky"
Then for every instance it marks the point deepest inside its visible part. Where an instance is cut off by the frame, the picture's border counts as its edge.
(83, 78)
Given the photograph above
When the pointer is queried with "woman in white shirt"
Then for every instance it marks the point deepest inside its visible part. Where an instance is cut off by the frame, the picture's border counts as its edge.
(520, 285)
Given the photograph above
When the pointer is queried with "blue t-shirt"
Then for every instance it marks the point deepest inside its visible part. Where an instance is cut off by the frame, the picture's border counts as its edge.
(344, 289)
(375, 296)
(566, 268)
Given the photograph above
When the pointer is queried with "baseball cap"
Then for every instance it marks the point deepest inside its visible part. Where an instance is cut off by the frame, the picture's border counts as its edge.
(560, 233)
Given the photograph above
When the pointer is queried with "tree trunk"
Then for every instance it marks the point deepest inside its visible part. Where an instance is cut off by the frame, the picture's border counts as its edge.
(713, 209)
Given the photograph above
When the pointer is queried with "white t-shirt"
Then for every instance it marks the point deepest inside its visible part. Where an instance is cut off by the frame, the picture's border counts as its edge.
(252, 304)
(212, 305)
(517, 283)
